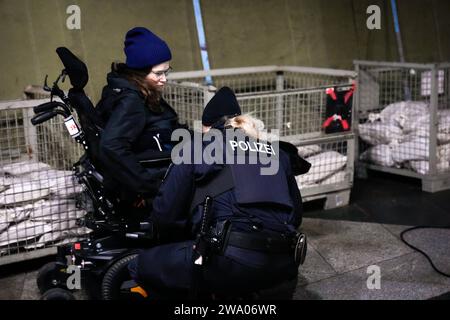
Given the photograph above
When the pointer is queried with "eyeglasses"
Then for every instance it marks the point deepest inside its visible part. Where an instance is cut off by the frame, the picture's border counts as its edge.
(160, 74)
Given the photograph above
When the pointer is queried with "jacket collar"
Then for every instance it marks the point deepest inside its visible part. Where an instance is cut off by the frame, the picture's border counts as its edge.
(117, 82)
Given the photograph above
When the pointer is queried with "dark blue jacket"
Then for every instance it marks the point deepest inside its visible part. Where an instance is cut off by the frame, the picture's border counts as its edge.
(272, 203)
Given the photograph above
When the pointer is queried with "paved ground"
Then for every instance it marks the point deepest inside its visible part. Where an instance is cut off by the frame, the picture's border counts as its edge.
(340, 253)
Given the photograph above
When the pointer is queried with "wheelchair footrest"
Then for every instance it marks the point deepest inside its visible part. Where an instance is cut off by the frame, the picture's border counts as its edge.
(131, 286)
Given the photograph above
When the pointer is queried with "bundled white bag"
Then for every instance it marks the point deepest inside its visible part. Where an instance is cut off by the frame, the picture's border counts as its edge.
(23, 231)
(307, 151)
(68, 236)
(418, 126)
(413, 150)
(443, 152)
(56, 210)
(65, 187)
(23, 192)
(23, 167)
(444, 121)
(380, 155)
(376, 133)
(16, 214)
(49, 174)
(63, 225)
(62, 184)
(323, 165)
(338, 177)
(423, 167)
(402, 112)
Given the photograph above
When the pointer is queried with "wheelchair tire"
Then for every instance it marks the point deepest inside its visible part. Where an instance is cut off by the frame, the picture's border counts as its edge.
(47, 278)
(57, 294)
(114, 277)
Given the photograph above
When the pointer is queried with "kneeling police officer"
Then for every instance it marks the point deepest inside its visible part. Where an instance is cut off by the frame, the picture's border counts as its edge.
(241, 225)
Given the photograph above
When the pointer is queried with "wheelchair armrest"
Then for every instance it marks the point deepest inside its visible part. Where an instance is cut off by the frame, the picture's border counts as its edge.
(139, 235)
(154, 157)
(140, 230)
(155, 162)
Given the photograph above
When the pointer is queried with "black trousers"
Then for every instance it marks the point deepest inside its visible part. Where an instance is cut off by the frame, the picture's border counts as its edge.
(169, 267)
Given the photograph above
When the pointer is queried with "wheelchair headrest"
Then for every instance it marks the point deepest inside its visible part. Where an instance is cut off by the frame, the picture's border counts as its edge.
(84, 107)
(75, 68)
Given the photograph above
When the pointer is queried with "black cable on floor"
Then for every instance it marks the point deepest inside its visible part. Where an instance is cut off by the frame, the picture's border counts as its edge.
(420, 251)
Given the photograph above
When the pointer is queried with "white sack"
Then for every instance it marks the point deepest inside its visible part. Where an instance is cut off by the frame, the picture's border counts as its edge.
(16, 214)
(65, 187)
(23, 231)
(23, 167)
(49, 174)
(444, 121)
(443, 138)
(338, 177)
(380, 155)
(62, 184)
(376, 133)
(23, 192)
(56, 210)
(323, 165)
(414, 150)
(402, 112)
(443, 152)
(423, 167)
(307, 151)
(63, 225)
(68, 236)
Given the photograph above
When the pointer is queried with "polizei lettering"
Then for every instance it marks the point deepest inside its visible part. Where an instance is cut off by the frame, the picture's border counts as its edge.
(252, 146)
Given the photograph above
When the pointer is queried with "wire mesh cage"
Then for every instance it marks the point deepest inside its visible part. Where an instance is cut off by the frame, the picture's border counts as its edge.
(38, 192)
(292, 100)
(403, 113)
(188, 100)
(298, 112)
(266, 78)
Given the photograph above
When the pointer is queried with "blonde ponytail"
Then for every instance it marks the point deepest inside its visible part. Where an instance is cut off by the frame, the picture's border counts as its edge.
(253, 127)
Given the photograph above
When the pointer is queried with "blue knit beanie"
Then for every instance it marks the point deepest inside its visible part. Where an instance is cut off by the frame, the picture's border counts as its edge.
(144, 49)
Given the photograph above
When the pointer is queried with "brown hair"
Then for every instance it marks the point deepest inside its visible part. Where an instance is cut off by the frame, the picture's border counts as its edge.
(151, 94)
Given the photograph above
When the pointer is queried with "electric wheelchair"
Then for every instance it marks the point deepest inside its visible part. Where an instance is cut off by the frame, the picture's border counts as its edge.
(100, 260)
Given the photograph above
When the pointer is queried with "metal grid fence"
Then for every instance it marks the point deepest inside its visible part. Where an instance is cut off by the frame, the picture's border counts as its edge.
(403, 110)
(293, 100)
(297, 112)
(332, 167)
(188, 99)
(38, 192)
(267, 78)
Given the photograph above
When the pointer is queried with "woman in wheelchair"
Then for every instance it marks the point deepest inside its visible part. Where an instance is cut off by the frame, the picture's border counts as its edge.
(136, 142)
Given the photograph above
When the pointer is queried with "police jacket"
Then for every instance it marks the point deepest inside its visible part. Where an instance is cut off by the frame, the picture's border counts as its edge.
(132, 133)
(265, 204)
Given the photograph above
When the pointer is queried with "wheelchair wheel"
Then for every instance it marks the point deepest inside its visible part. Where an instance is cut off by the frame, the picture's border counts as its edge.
(48, 277)
(116, 275)
(57, 294)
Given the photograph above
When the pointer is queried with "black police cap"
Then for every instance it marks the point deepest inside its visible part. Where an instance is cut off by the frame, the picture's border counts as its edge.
(223, 104)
